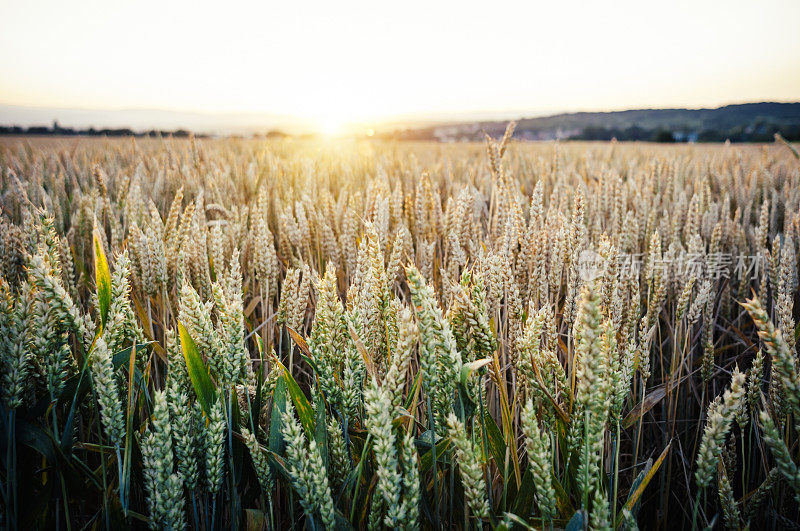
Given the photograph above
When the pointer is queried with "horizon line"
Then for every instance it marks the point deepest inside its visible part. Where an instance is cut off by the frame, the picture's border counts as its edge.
(289, 122)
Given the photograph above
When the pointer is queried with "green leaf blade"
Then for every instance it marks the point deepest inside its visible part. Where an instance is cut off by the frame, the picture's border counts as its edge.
(301, 404)
(198, 374)
(102, 276)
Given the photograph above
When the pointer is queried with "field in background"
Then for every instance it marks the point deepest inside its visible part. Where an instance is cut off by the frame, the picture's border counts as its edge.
(239, 333)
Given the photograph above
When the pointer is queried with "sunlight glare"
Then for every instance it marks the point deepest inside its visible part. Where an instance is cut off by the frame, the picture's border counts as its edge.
(331, 127)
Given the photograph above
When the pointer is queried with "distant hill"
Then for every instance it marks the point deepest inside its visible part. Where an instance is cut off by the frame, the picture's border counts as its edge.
(748, 122)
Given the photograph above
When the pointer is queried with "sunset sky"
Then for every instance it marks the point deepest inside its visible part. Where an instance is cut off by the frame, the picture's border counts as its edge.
(337, 62)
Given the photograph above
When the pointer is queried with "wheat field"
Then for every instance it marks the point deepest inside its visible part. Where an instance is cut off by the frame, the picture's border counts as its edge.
(332, 334)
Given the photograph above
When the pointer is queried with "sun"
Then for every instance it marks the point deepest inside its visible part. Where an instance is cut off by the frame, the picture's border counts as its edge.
(342, 122)
(331, 126)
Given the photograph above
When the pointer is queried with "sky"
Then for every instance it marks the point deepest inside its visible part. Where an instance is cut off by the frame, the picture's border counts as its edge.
(337, 62)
